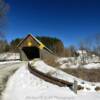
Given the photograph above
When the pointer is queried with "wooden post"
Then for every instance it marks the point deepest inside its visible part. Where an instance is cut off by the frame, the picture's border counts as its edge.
(20, 54)
(75, 86)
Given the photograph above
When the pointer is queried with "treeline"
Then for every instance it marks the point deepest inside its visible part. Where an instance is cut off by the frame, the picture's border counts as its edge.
(9, 47)
(55, 44)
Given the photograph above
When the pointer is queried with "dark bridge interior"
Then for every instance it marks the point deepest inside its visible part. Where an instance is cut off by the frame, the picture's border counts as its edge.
(31, 52)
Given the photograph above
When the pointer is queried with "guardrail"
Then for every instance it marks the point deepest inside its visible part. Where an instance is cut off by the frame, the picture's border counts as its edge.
(53, 80)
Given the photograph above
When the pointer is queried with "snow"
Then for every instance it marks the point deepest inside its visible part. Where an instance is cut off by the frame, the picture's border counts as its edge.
(75, 62)
(9, 62)
(91, 61)
(41, 66)
(82, 51)
(63, 60)
(87, 96)
(9, 56)
(92, 66)
(86, 66)
(24, 86)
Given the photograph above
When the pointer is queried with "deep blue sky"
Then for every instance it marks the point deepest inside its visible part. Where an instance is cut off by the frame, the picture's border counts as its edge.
(69, 20)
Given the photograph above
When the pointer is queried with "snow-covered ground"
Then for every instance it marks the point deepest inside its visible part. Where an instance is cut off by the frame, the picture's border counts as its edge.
(9, 56)
(72, 62)
(25, 86)
(9, 62)
(6, 70)
(91, 61)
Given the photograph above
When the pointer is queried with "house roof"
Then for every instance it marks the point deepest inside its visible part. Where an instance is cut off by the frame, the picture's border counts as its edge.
(34, 38)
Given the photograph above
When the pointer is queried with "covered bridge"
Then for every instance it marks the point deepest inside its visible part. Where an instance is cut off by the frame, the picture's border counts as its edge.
(30, 47)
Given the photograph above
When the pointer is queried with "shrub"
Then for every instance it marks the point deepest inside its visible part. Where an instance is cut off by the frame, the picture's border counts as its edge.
(97, 88)
(92, 75)
(88, 88)
(51, 61)
(80, 87)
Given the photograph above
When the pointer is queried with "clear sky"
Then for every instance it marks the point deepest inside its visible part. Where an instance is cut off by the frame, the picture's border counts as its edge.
(69, 20)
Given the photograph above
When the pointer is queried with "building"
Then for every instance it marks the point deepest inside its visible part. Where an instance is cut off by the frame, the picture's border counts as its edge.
(30, 48)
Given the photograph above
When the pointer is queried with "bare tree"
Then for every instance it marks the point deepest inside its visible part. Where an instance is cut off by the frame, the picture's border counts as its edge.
(4, 8)
(97, 44)
(70, 51)
(4, 47)
(83, 49)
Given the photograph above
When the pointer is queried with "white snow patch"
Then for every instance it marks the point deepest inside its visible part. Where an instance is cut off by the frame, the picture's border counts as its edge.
(92, 66)
(9, 62)
(75, 62)
(9, 56)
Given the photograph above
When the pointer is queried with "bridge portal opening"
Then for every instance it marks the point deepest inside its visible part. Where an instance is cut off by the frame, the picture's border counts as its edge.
(31, 52)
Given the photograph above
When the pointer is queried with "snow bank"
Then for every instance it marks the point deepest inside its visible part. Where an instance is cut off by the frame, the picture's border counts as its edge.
(41, 66)
(72, 62)
(82, 51)
(92, 66)
(9, 62)
(9, 56)
(63, 60)
(25, 86)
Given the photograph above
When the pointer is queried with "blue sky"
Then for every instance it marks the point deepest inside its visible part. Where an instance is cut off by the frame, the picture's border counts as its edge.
(69, 20)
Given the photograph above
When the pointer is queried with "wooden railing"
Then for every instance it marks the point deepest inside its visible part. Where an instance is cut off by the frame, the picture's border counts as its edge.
(49, 78)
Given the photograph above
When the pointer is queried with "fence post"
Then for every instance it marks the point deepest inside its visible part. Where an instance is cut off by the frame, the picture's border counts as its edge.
(75, 86)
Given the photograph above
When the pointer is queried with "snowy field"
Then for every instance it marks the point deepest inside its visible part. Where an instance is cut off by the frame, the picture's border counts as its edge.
(22, 85)
(91, 61)
(72, 62)
(9, 56)
(30, 87)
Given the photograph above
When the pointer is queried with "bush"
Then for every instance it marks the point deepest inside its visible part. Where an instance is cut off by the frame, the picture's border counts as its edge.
(97, 88)
(51, 61)
(92, 75)
(80, 87)
(88, 88)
